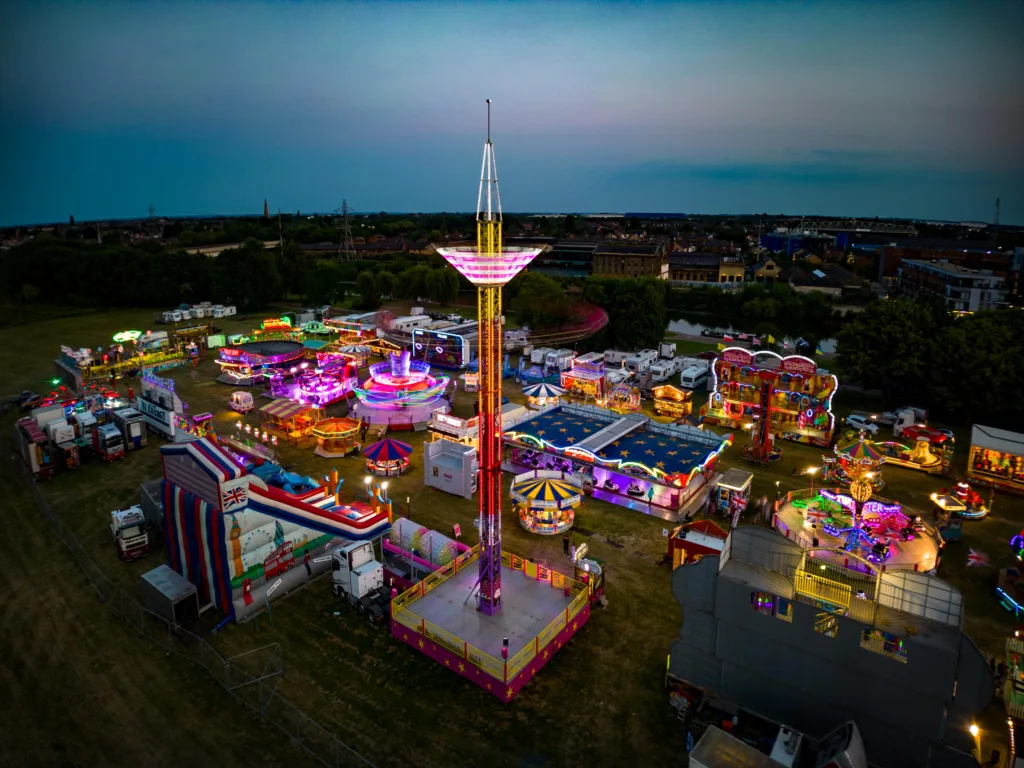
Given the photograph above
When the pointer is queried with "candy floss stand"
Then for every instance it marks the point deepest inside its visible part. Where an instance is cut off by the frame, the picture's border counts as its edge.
(732, 493)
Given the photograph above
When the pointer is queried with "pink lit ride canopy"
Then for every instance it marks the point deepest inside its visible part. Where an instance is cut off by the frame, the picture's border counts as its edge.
(400, 383)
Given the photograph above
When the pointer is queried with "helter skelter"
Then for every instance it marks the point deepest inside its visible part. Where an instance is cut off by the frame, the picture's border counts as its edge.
(489, 266)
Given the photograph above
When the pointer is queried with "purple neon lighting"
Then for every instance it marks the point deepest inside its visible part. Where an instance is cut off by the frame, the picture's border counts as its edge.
(488, 268)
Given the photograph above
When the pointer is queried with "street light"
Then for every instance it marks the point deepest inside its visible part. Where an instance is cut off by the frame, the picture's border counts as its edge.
(778, 493)
(810, 471)
(976, 733)
(367, 480)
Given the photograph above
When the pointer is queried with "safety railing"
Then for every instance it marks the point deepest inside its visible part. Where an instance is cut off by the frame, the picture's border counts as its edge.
(826, 590)
(503, 670)
(443, 637)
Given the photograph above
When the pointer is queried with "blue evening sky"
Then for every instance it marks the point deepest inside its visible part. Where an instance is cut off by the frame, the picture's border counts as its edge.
(895, 108)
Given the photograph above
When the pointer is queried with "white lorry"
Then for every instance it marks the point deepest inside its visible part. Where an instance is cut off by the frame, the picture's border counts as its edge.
(359, 580)
(920, 415)
(130, 532)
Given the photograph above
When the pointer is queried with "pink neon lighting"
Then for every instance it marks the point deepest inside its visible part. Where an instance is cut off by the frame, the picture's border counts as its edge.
(400, 383)
(488, 268)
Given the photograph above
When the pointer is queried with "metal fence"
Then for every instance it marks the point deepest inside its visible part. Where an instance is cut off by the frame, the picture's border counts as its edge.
(250, 677)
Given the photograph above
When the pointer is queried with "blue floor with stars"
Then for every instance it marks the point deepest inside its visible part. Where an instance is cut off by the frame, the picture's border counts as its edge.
(669, 454)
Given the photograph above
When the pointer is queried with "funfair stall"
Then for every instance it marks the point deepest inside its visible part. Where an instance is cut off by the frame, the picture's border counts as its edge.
(289, 420)
(789, 397)
(732, 491)
(160, 406)
(546, 501)
(670, 401)
(336, 437)
(585, 378)
(387, 457)
(997, 458)
(689, 542)
(451, 467)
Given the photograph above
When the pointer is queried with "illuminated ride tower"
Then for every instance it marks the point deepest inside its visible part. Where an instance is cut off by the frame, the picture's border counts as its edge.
(489, 266)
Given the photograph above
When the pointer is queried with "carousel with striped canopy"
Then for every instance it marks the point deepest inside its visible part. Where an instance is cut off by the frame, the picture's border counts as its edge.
(546, 505)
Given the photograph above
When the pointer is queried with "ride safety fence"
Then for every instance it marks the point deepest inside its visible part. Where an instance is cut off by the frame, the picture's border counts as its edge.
(503, 670)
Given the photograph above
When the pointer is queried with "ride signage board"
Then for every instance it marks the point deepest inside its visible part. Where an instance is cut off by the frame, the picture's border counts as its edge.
(737, 356)
(799, 364)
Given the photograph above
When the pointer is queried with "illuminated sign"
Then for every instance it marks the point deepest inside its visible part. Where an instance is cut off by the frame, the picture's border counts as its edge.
(737, 355)
(125, 336)
(230, 352)
(799, 364)
(581, 550)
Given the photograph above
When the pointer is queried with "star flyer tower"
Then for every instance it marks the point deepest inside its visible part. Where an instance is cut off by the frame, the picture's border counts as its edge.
(489, 267)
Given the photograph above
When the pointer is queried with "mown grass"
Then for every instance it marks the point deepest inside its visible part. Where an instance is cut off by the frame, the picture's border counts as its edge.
(601, 701)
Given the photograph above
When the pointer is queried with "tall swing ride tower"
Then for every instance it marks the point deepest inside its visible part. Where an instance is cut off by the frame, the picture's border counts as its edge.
(489, 266)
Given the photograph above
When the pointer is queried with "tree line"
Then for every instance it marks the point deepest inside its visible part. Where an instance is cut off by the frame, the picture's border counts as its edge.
(962, 368)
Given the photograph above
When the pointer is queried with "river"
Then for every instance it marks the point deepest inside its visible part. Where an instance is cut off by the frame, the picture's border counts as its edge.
(685, 327)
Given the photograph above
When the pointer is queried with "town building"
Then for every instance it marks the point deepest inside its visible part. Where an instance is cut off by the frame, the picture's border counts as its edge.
(560, 258)
(807, 642)
(963, 289)
(705, 268)
(764, 271)
(632, 260)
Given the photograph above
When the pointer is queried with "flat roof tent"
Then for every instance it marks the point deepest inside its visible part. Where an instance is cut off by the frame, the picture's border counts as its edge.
(993, 439)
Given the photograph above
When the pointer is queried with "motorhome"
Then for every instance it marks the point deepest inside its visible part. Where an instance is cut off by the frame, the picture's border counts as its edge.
(667, 350)
(538, 356)
(641, 361)
(615, 356)
(517, 338)
(694, 377)
(409, 323)
(663, 370)
(560, 359)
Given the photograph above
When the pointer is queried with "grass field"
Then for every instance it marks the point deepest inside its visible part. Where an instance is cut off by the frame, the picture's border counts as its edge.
(80, 677)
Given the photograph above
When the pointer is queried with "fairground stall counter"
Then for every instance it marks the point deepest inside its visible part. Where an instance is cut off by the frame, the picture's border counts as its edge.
(997, 458)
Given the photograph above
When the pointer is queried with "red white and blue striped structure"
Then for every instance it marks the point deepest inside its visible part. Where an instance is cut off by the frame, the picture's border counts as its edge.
(387, 450)
(205, 492)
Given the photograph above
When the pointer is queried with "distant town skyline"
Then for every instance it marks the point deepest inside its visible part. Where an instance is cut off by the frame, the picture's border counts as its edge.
(901, 109)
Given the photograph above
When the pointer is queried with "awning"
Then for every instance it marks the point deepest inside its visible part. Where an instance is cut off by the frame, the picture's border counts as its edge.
(1001, 440)
(285, 409)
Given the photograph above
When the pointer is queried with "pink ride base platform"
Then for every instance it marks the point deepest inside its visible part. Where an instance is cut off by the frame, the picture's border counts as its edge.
(541, 610)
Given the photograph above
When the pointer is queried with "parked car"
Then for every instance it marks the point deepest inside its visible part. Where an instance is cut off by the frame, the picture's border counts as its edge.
(861, 423)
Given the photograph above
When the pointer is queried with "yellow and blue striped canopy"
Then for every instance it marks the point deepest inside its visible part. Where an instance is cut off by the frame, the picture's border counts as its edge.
(544, 492)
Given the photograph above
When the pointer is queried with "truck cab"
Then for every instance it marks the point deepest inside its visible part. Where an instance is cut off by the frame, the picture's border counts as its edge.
(107, 442)
(131, 425)
(358, 579)
(130, 532)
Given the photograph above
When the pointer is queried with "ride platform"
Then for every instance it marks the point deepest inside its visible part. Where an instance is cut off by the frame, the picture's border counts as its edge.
(540, 611)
